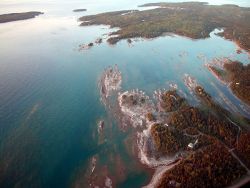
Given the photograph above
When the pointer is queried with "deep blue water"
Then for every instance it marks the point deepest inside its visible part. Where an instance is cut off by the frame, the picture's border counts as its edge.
(49, 95)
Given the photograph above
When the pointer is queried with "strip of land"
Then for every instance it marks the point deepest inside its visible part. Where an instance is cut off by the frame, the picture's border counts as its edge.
(238, 75)
(192, 19)
(18, 16)
(80, 10)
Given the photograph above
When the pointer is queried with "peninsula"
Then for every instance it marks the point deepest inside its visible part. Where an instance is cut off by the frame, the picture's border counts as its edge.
(237, 75)
(191, 19)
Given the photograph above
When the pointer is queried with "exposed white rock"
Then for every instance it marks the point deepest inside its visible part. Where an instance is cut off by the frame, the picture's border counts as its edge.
(108, 182)
(100, 126)
(190, 82)
(111, 81)
(135, 105)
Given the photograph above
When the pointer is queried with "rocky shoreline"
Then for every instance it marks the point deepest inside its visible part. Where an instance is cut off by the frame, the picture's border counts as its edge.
(184, 142)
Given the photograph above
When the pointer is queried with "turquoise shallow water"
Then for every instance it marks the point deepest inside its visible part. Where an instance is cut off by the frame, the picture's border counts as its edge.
(49, 95)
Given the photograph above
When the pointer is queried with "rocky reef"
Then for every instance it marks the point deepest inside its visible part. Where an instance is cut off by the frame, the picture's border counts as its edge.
(98, 41)
(85, 46)
(110, 81)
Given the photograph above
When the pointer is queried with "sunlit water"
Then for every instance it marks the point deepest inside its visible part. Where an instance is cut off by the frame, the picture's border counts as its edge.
(49, 95)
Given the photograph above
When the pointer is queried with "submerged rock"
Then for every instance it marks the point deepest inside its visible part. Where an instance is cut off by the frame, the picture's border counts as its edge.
(129, 41)
(98, 41)
(86, 46)
(91, 44)
(100, 126)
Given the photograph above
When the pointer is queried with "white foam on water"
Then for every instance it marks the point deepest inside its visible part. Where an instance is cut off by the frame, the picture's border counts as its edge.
(141, 105)
(159, 172)
(108, 182)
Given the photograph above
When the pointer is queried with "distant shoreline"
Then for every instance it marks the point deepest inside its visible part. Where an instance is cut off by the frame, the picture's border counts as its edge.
(195, 20)
(80, 10)
(11, 17)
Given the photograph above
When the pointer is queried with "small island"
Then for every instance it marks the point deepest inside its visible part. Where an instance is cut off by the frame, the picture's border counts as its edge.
(191, 19)
(80, 10)
(18, 16)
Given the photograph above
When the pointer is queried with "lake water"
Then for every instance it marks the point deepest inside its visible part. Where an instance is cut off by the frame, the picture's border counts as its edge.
(49, 96)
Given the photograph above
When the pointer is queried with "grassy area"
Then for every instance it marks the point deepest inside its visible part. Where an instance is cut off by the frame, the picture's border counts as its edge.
(193, 19)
